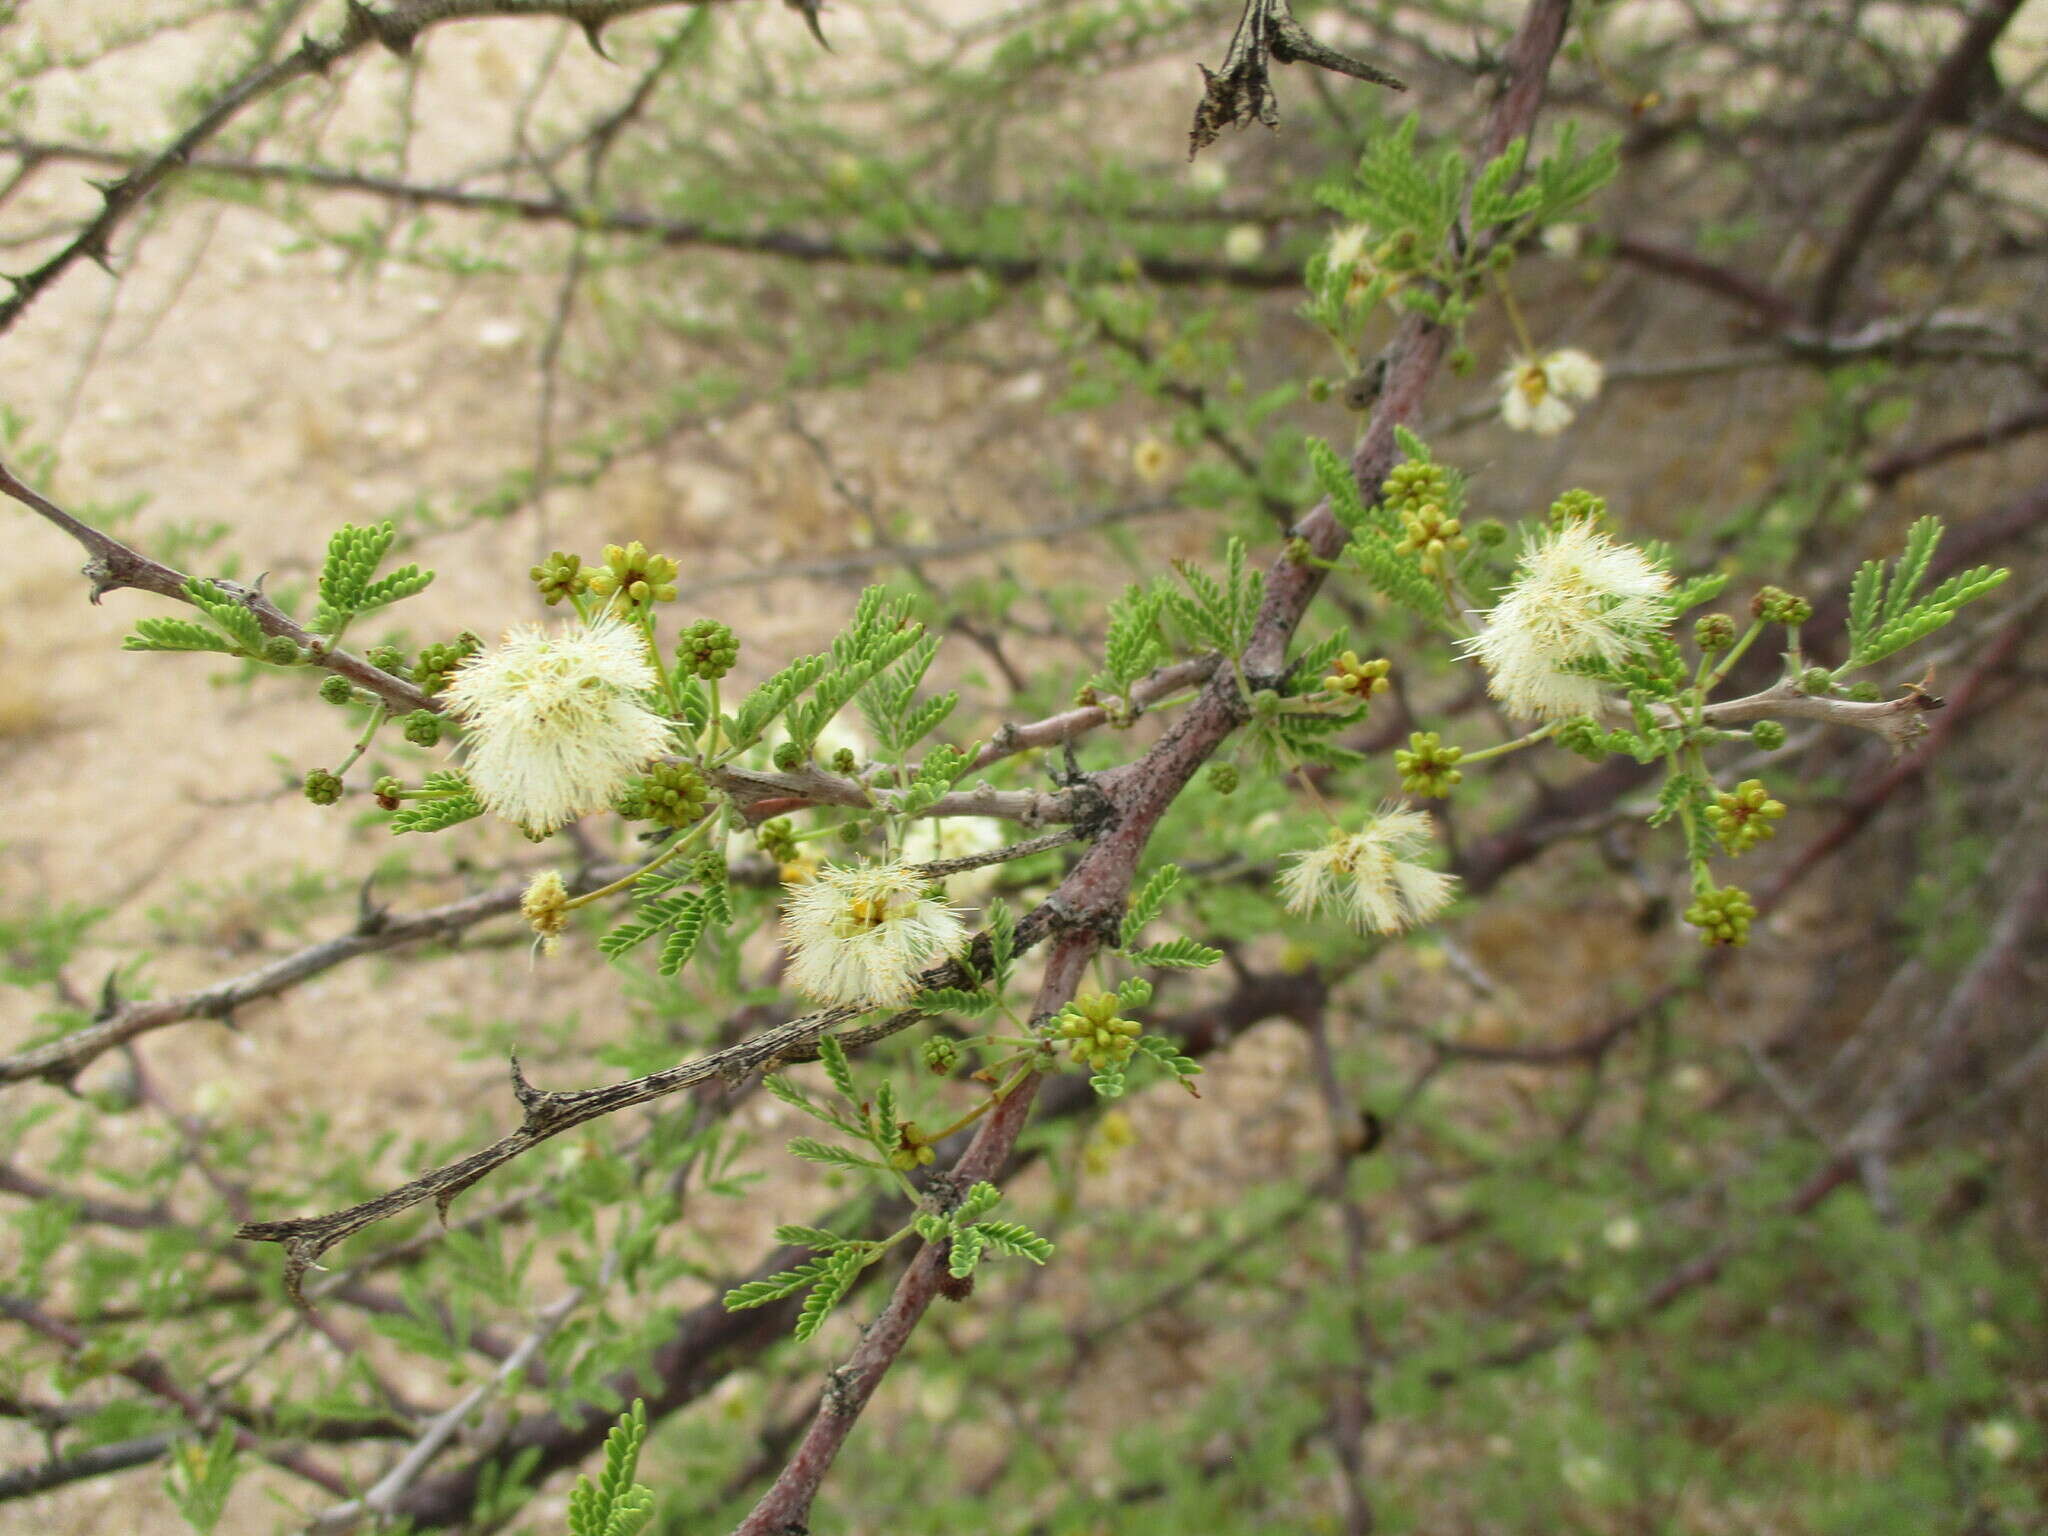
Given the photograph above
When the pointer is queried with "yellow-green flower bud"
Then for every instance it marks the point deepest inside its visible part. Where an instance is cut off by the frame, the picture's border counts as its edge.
(1358, 680)
(1713, 632)
(1745, 816)
(1427, 767)
(559, 576)
(1722, 916)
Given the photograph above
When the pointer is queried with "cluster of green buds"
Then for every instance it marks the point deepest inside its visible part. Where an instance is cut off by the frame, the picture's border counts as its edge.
(1713, 632)
(1413, 484)
(631, 572)
(1774, 605)
(777, 839)
(389, 790)
(1577, 507)
(708, 868)
(1223, 778)
(559, 576)
(1358, 680)
(322, 787)
(1095, 1036)
(422, 727)
(707, 649)
(1744, 816)
(336, 689)
(911, 1150)
(940, 1055)
(1768, 735)
(1427, 767)
(1722, 915)
(669, 794)
(437, 663)
(1432, 536)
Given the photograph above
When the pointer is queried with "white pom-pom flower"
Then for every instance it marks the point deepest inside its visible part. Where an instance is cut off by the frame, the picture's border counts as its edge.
(1537, 392)
(1348, 248)
(859, 934)
(1579, 595)
(555, 723)
(938, 839)
(1369, 875)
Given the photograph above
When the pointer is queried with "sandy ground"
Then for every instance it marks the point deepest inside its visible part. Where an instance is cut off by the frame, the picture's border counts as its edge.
(231, 381)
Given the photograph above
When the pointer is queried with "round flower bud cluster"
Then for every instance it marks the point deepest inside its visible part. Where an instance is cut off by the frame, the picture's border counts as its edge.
(670, 795)
(1433, 536)
(282, 651)
(385, 658)
(788, 756)
(1774, 605)
(1713, 632)
(322, 787)
(438, 663)
(777, 839)
(940, 1055)
(1818, 681)
(1223, 778)
(336, 690)
(1578, 506)
(1768, 735)
(1427, 767)
(844, 761)
(708, 868)
(1722, 916)
(1360, 680)
(1412, 485)
(1096, 1038)
(643, 579)
(387, 790)
(422, 727)
(559, 576)
(912, 1150)
(1745, 816)
(707, 649)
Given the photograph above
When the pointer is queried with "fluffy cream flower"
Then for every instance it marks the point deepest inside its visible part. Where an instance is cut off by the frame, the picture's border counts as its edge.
(1536, 393)
(1579, 595)
(1152, 460)
(861, 933)
(936, 839)
(1244, 244)
(1364, 875)
(556, 726)
(1347, 248)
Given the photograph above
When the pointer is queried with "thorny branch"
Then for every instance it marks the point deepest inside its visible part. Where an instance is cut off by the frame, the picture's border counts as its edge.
(396, 29)
(113, 565)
